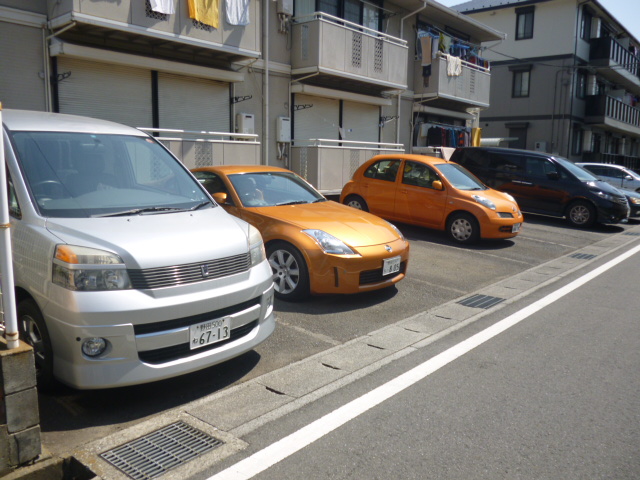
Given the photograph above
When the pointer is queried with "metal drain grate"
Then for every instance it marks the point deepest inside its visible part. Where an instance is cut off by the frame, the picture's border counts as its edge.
(158, 452)
(635, 234)
(481, 301)
(583, 256)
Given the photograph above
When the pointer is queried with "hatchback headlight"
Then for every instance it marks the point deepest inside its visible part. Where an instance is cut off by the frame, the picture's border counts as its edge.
(256, 246)
(484, 201)
(329, 243)
(89, 269)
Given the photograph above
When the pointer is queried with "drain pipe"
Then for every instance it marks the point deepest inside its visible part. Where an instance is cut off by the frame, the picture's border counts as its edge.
(415, 12)
(265, 83)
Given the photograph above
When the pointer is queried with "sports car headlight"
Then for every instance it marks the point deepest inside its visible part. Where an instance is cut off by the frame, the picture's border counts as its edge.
(256, 246)
(329, 243)
(634, 200)
(89, 269)
(484, 201)
(509, 197)
(396, 230)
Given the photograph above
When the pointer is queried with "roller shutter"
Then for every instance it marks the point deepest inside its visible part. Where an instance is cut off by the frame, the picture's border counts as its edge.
(360, 121)
(101, 90)
(21, 66)
(322, 120)
(188, 103)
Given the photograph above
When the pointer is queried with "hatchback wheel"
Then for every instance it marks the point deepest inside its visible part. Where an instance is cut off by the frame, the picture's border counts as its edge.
(463, 228)
(290, 272)
(34, 332)
(581, 214)
(356, 201)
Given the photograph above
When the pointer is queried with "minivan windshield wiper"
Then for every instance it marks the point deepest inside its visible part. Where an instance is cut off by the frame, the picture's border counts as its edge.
(140, 211)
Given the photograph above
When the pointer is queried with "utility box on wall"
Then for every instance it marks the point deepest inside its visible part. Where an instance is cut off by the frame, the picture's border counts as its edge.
(283, 130)
(245, 123)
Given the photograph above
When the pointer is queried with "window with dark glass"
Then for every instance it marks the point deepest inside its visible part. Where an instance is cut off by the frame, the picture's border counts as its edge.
(367, 14)
(521, 80)
(383, 170)
(524, 23)
(581, 85)
(585, 25)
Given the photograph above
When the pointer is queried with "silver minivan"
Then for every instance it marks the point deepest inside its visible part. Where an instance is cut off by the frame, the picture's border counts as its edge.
(126, 271)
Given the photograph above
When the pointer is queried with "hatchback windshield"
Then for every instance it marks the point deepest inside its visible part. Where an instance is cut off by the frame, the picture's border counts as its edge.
(459, 177)
(268, 189)
(79, 175)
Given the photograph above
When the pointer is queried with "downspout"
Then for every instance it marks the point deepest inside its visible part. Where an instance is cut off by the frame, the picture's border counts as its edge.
(265, 83)
(424, 5)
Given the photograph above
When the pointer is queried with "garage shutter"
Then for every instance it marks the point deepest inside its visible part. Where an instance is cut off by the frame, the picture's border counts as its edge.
(107, 91)
(21, 64)
(360, 121)
(187, 103)
(322, 120)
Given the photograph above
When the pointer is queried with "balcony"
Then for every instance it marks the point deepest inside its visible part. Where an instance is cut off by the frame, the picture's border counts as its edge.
(624, 66)
(611, 113)
(469, 89)
(329, 164)
(207, 149)
(132, 25)
(334, 53)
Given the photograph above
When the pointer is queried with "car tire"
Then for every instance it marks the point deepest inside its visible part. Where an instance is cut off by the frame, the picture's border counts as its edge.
(290, 272)
(581, 214)
(33, 331)
(463, 228)
(357, 202)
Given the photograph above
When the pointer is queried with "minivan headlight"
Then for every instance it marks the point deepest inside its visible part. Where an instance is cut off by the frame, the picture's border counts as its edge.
(256, 246)
(484, 201)
(88, 269)
(329, 243)
(604, 195)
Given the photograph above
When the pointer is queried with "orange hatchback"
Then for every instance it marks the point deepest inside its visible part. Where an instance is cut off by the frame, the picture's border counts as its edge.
(434, 193)
(314, 246)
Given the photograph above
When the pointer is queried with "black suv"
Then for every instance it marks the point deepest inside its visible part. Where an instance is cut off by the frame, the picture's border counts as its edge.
(546, 184)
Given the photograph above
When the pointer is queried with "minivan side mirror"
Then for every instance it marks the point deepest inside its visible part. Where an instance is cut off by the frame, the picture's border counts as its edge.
(553, 176)
(437, 185)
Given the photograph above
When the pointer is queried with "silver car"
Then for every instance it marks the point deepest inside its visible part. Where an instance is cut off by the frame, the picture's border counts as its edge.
(125, 270)
(616, 175)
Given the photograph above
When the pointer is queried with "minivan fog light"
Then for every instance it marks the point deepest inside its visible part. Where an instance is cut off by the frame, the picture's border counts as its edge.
(92, 347)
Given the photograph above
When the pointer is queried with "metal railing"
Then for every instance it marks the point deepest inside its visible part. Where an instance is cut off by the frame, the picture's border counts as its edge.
(609, 48)
(604, 105)
(349, 144)
(201, 136)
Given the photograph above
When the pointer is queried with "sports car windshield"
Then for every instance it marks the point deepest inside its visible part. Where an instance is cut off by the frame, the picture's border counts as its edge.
(269, 189)
(79, 175)
(459, 177)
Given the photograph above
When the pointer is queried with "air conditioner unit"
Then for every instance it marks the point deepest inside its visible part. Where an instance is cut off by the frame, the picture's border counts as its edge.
(245, 123)
(540, 146)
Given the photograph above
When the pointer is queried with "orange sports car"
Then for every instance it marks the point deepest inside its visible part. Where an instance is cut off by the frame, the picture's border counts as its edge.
(434, 193)
(314, 246)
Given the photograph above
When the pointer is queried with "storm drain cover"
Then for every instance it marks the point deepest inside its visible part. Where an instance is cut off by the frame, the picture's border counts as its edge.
(158, 452)
(635, 234)
(583, 256)
(481, 301)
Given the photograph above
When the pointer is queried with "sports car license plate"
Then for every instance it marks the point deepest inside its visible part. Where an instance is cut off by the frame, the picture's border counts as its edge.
(211, 331)
(515, 228)
(390, 265)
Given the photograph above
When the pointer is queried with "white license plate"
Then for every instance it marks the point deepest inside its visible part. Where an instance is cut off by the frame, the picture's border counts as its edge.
(390, 265)
(209, 332)
(515, 228)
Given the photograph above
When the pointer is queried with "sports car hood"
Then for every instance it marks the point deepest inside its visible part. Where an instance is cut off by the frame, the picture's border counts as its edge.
(354, 227)
(149, 241)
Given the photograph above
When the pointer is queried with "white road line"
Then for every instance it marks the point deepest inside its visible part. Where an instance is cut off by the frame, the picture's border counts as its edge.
(274, 453)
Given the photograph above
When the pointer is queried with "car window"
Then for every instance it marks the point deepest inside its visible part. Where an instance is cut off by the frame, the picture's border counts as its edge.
(418, 174)
(613, 172)
(383, 170)
(470, 157)
(540, 167)
(506, 162)
(211, 182)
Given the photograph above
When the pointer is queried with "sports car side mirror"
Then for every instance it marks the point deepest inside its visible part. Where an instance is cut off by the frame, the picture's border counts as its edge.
(220, 198)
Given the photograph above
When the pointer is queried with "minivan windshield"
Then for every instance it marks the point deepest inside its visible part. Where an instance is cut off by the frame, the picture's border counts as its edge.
(79, 175)
(460, 177)
(580, 173)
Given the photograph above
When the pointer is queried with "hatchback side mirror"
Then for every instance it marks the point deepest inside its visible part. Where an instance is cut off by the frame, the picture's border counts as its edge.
(437, 185)
(628, 177)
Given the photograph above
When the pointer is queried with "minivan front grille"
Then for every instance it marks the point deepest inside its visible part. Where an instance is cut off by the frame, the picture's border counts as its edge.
(149, 278)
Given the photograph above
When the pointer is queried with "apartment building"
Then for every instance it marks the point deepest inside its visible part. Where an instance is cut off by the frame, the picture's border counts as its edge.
(318, 86)
(566, 79)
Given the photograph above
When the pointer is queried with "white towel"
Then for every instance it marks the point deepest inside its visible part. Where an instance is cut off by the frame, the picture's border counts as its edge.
(237, 12)
(454, 66)
(163, 6)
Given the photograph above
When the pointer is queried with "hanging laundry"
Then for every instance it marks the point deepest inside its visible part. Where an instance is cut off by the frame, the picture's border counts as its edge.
(454, 66)
(237, 12)
(444, 43)
(425, 43)
(167, 7)
(205, 11)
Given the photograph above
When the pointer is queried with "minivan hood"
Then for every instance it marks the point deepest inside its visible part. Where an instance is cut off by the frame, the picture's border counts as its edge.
(605, 187)
(149, 241)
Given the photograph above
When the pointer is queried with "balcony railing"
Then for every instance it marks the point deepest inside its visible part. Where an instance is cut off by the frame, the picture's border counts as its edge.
(603, 109)
(330, 45)
(471, 87)
(624, 65)
(329, 164)
(205, 149)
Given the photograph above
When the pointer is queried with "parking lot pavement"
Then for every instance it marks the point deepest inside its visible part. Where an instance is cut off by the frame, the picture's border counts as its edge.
(325, 343)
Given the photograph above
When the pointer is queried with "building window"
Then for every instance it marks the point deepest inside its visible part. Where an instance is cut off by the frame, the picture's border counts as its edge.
(367, 14)
(578, 139)
(585, 25)
(524, 23)
(521, 80)
(581, 85)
